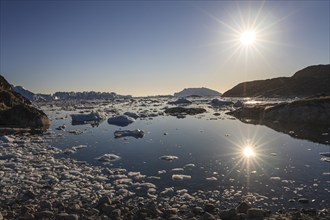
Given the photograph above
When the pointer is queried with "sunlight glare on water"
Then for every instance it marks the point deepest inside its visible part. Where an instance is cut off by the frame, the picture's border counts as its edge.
(248, 152)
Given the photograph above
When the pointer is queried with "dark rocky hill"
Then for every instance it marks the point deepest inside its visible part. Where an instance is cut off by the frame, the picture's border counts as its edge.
(197, 92)
(17, 111)
(307, 118)
(309, 81)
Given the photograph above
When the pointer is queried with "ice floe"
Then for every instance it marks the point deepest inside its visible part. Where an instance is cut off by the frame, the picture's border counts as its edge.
(121, 120)
(180, 177)
(169, 158)
(108, 158)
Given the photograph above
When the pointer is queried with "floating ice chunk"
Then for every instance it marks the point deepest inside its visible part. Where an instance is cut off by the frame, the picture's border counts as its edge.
(180, 177)
(121, 120)
(93, 116)
(325, 159)
(167, 190)
(211, 178)
(275, 178)
(177, 169)
(137, 133)
(161, 171)
(180, 101)
(169, 158)
(81, 146)
(189, 165)
(108, 158)
(326, 154)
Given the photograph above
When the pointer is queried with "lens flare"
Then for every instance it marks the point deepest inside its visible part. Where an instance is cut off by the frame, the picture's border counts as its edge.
(248, 152)
(248, 37)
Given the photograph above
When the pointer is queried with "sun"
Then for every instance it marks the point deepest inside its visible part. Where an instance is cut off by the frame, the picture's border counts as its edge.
(248, 152)
(247, 38)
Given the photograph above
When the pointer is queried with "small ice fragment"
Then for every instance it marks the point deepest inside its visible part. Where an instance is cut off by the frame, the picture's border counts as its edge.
(168, 158)
(108, 158)
(212, 178)
(180, 177)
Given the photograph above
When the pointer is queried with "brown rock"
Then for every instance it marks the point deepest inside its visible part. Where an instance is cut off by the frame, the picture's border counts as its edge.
(242, 208)
(17, 111)
(255, 213)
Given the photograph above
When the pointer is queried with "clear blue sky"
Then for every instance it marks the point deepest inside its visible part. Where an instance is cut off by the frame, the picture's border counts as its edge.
(149, 48)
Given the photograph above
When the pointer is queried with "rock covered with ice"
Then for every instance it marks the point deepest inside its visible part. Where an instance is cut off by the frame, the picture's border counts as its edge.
(121, 120)
(220, 103)
(93, 116)
(132, 115)
(137, 133)
(238, 104)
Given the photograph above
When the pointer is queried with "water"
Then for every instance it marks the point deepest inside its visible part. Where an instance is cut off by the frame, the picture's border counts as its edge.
(283, 167)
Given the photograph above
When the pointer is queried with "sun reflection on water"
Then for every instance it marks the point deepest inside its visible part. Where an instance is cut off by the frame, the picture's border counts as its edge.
(248, 151)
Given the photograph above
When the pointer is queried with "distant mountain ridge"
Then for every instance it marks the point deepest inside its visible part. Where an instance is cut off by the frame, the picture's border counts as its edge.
(197, 92)
(90, 95)
(309, 81)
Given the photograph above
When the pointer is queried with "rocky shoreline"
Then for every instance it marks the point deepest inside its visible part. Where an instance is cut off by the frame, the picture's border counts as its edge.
(38, 184)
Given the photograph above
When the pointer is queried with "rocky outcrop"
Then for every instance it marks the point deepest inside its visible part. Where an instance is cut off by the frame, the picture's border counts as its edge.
(182, 110)
(306, 82)
(25, 93)
(17, 111)
(306, 118)
(197, 92)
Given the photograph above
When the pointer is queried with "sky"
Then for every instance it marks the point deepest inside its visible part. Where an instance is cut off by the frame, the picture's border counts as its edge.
(144, 48)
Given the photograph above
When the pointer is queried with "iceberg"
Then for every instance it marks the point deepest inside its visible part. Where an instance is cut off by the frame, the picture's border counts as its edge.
(180, 101)
(121, 120)
(84, 118)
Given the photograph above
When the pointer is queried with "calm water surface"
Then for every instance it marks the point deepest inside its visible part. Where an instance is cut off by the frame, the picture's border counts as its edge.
(282, 168)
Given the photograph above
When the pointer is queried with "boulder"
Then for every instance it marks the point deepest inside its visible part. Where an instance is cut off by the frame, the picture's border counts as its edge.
(17, 111)
(220, 103)
(182, 110)
(255, 213)
(243, 208)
